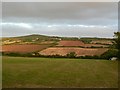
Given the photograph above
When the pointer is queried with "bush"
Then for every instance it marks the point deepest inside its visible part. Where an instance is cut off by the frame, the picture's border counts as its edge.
(71, 55)
(16, 54)
(12, 54)
(87, 41)
(97, 47)
(90, 57)
(109, 54)
(117, 43)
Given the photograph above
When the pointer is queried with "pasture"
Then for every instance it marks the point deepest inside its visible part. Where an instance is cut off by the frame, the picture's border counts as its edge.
(24, 72)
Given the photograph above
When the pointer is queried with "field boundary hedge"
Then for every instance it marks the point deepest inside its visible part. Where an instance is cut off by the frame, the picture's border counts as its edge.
(107, 55)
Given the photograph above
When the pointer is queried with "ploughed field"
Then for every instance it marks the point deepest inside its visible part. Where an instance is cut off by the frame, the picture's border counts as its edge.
(70, 43)
(23, 48)
(79, 51)
(78, 43)
(62, 48)
(19, 72)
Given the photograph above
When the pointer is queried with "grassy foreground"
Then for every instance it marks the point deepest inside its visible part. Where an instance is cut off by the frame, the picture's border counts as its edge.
(54, 72)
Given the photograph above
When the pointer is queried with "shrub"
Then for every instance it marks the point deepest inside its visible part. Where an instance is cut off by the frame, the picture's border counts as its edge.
(97, 47)
(71, 55)
(109, 54)
(90, 57)
(16, 54)
(12, 54)
(87, 41)
(117, 43)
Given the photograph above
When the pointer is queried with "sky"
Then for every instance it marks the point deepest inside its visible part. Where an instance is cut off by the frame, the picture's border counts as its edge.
(69, 19)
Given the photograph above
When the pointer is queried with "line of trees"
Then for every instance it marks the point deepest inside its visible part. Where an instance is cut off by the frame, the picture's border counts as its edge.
(117, 43)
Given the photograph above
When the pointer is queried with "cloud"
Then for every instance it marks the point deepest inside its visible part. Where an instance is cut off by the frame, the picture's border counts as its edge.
(74, 30)
(24, 25)
(59, 18)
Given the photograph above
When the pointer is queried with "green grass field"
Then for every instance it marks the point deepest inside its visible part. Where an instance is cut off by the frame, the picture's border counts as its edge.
(26, 72)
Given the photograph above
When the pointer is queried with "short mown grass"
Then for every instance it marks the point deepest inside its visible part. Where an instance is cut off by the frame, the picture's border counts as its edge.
(23, 72)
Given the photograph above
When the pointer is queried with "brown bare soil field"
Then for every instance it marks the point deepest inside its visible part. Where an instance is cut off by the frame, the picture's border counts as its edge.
(0, 48)
(22, 48)
(70, 43)
(79, 51)
(78, 43)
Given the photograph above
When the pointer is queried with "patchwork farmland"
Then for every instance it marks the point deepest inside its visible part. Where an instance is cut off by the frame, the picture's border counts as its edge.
(29, 72)
(48, 45)
(66, 46)
(105, 42)
(54, 45)
(23, 48)
(78, 43)
(70, 43)
(63, 51)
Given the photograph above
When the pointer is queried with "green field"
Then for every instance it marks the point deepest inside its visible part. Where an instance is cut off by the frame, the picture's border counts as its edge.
(26, 72)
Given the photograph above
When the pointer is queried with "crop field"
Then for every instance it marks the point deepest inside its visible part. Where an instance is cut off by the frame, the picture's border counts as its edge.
(94, 45)
(70, 43)
(23, 48)
(78, 43)
(26, 72)
(79, 51)
(47, 42)
(102, 42)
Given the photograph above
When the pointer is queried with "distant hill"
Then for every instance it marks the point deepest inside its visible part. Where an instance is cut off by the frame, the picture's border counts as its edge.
(29, 37)
(33, 36)
(37, 37)
(96, 38)
(40, 37)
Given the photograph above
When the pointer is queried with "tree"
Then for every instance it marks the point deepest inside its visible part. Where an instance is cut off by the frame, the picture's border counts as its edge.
(71, 55)
(109, 54)
(117, 42)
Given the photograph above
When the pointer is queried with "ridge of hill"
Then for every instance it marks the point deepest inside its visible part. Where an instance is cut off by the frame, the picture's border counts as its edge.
(32, 36)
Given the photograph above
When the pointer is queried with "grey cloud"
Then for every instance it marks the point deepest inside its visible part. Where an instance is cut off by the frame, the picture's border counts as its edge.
(57, 11)
(51, 13)
(60, 30)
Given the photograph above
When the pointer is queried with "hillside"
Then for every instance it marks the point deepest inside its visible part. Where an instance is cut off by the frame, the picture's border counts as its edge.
(44, 37)
(29, 39)
(62, 46)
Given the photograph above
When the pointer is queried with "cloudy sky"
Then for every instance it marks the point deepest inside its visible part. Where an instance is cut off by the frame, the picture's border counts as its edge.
(77, 19)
